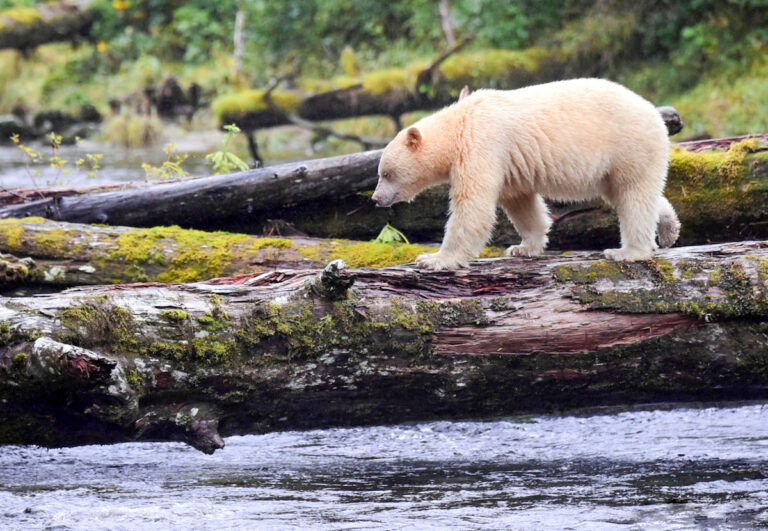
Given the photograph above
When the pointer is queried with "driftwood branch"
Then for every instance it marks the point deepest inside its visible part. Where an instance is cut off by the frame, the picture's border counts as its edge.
(299, 349)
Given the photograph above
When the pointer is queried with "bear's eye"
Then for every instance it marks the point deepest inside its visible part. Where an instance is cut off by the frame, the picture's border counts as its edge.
(385, 175)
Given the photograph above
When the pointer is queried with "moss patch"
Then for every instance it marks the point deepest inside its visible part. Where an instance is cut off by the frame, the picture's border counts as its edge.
(734, 296)
(364, 254)
(19, 15)
(229, 106)
(197, 255)
(11, 233)
(99, 323)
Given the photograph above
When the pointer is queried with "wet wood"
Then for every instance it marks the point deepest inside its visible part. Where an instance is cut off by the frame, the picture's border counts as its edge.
(293, 349)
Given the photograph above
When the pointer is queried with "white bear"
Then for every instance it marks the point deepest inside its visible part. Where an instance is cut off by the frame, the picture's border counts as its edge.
(568, 140)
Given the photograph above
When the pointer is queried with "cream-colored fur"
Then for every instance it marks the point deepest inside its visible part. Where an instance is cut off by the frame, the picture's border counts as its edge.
(568, 140)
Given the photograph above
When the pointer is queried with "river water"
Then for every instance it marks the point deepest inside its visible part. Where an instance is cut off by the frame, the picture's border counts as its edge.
(118, 165)
(685, 468)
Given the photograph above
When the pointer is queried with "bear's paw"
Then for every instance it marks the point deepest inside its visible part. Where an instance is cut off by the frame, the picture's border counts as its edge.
(627, 254)
(524, 250)
(438, 261)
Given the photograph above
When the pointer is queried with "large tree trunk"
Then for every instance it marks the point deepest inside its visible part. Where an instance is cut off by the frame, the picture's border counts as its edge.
(69, 254)
(719, 197)
(27, 27)
(294, 350)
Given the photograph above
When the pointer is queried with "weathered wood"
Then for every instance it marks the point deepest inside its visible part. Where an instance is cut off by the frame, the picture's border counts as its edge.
(287, 350)
(24, 28)
(70, 254)
(212, 200)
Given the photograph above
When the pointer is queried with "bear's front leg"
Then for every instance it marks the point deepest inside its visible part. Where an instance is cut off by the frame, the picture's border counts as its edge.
(530, 216)
(439, 261)
(473, 213)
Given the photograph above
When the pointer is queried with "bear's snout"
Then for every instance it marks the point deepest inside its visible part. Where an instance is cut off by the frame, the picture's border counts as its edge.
(382, 199)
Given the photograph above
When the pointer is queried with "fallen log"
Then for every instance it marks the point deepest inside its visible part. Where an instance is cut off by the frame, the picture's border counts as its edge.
(297, 349)
(71, 254)
(424, 86)
(24, 28)
(212, 200)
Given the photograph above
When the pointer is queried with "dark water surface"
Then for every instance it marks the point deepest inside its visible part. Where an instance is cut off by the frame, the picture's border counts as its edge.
(678, 469)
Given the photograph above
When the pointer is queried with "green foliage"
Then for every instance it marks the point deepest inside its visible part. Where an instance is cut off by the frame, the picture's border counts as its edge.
(170, 167)
(34, 160)
(390, 234)
(224, 161)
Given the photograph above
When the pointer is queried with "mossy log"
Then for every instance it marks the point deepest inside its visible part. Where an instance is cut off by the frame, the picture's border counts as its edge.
(24, 28)
(70, 254)
(422, 85)
(303, 349)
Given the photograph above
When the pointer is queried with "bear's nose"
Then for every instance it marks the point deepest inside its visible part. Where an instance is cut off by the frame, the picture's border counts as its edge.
(376, 198)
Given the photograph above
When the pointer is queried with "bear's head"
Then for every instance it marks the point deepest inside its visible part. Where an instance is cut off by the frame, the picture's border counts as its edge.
(404, 169)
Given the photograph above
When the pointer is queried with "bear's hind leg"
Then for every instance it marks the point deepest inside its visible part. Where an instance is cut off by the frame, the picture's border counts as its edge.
(638, 212)
(530, 216)
(669, 225)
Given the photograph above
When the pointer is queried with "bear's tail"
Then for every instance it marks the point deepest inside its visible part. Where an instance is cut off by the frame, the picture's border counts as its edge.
(668, 228)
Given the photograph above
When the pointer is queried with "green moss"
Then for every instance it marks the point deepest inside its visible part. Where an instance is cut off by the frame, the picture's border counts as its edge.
(205, 351)
(6, 334)
(175, 316)
(736, 296)
(591, 272)
(11, 233)
(485, 68)
(19, 15)
(10, 335)
(662, 270)
(197, 255)
(97, 322)
(228, 107)
(762, 269)
(20, 361)
(57, 243)
(710, 187)
(365, 254)
(299, 330)
(492, 252)
(133, 379)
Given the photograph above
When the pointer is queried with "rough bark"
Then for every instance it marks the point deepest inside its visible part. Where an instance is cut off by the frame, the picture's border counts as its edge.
(26, 28)
(70, 254)
(295, 350)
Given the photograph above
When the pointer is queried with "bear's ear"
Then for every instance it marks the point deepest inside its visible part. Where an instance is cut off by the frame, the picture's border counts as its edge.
(413, 138)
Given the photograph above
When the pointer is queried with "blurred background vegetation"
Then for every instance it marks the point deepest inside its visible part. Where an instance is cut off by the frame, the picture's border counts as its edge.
(705, 57)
